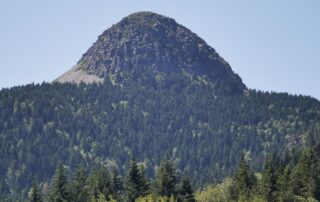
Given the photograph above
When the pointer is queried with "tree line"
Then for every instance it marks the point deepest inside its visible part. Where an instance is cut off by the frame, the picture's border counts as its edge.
(106, 184)
(294, 179)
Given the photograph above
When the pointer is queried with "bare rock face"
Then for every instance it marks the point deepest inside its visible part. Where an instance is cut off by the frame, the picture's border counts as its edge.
(147, 40)
(77, 75)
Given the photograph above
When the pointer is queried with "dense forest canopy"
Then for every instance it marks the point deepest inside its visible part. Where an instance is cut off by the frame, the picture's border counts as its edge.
(201, 125)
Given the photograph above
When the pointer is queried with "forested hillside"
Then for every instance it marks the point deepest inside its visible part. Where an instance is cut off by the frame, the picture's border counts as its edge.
(160, 91)
(293, 178)
(201, 125)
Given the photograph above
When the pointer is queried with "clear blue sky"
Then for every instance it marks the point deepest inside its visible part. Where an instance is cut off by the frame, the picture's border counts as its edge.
(273, 45)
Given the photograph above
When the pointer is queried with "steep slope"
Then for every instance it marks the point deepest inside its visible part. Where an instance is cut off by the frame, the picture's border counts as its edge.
(147, 40)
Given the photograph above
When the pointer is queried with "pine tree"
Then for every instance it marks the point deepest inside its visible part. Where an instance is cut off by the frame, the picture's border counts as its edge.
(145, 188)
(34, 194)
(269, 182)
(166, 179)
(116, 184)
(283, 193)
(305, 176)
(100, 182)
(59, 187)
(80, 191)
(185, 192)
(134, 182)
(244, 181)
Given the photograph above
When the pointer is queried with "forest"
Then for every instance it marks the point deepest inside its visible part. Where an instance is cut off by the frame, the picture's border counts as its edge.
(202, 126)
(296, 178)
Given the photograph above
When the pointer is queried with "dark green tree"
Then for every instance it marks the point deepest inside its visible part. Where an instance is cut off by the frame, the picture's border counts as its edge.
(100, 183)
(244, 181)
(185, 192)
(116, 184)
(34, 194)
(269, 182)
(305, 176)
(134, 182)
(145, 188)
(80, 190)
(283, 193)
(59, 186)
(166, 179)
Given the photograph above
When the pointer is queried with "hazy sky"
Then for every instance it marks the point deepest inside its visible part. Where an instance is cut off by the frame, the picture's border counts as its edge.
(273, 45)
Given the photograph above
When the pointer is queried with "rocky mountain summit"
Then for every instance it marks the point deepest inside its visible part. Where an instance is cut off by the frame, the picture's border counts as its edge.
(146, 40)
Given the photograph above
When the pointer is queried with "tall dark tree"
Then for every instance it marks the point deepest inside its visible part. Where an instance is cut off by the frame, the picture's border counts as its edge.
(145, 188)
(269, 182)
(34, 194)
(244, 181)
(100, 182)
(185, 192)
(166, 179)
(134, 183)
(283, 193)
(59, 186)
(116, 184)
(80, 190)
(305, 176)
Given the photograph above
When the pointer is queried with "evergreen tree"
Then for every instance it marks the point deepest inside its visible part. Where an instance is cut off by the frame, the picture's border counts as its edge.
(34, 194)
(59, 187)
(283, 193)
(100, 183)
(134, 183)
(145, 188)
(269, 182)
(185, 192)
(305, 176)
(80, 191)
(116, 184)
(244, 181)
(166, 179)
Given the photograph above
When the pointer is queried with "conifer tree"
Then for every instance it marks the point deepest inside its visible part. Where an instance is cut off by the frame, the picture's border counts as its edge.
(145, 186)
(305, 176)
(244, 181)
(283, 193)
(59, 187)
(185, 192)
(166, 179)
(269, 182)
(116, 184)
(80, 191)
(134, 182)
(34, 194)
(100, 182)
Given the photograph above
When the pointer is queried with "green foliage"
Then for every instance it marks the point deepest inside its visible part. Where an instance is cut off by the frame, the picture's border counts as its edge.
(216, 193)
(134, 184)
(59, 186)
(244, 182)
(305, 177)
(185, 192)
(79, 187)
(34, 194)
(268, 182)
(116, 184)
(166, 180)
(199, 123)
(292, 180)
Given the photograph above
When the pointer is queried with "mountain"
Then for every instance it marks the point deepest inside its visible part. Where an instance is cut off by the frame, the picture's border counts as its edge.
(150, 88)
(147, 40)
